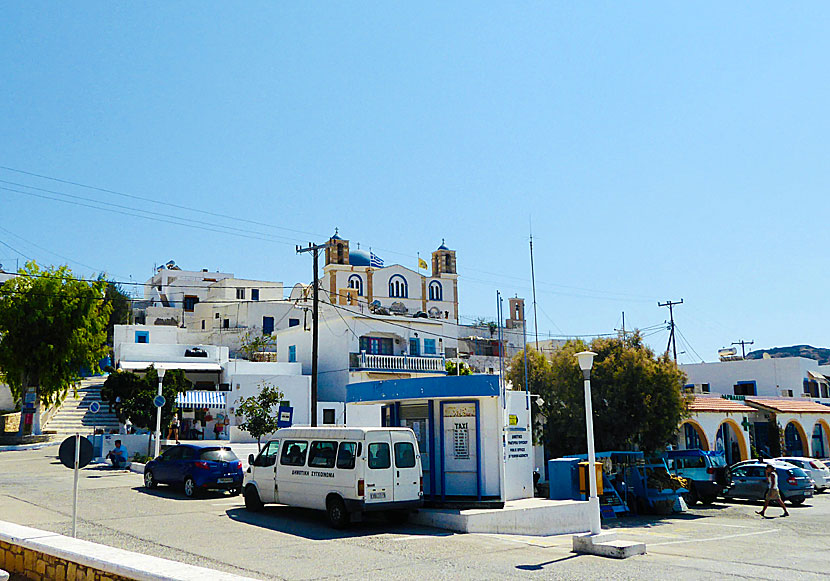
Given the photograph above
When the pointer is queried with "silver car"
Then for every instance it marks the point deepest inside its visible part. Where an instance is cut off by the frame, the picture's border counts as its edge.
(816, 469)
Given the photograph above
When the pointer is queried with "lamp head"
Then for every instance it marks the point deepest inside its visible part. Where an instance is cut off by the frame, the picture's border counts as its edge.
(586, 360)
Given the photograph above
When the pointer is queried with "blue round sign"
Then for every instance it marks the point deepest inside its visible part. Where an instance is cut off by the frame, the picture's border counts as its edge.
(95, 407)
(159, 401)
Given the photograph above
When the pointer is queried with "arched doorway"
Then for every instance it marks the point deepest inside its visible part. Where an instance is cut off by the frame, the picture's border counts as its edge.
(821, 440)
(730, 440)
(692, 436)
(795, 440)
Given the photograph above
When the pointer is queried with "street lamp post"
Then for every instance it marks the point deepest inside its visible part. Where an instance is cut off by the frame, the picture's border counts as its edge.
(586, 361)
(158, 417)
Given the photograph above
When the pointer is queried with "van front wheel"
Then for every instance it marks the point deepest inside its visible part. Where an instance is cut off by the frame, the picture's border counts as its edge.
(337, 513)
(252, 500)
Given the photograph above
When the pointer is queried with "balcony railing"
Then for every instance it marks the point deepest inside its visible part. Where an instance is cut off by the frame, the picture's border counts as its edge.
(367, 361)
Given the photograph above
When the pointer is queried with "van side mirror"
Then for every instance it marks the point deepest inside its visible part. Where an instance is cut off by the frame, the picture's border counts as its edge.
(250, 459)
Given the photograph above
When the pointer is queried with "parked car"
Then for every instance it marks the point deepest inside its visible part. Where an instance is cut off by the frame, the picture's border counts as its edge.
(749, 481)
(773, 461)
(706, 472)
(816, 469)
(196, 468)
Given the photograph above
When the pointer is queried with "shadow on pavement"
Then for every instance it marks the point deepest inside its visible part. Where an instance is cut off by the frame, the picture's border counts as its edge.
(541, 566)
(312, 524)
(177, 493)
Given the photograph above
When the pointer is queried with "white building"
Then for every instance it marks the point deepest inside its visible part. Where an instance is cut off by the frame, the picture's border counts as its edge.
(352, 278)
(219, 382)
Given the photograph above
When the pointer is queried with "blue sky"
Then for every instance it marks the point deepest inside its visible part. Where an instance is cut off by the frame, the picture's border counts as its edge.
(660, 151)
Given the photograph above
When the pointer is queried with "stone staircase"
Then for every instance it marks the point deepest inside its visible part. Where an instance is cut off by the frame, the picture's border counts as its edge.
(74, 415)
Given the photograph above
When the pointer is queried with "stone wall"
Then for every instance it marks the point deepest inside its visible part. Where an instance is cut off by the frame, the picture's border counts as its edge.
(38, 566)
(10, 422)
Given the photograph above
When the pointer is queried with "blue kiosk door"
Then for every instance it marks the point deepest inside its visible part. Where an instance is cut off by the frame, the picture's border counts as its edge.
(460, 444)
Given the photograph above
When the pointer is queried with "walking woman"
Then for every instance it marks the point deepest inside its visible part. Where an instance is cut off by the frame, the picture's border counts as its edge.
(773, 493)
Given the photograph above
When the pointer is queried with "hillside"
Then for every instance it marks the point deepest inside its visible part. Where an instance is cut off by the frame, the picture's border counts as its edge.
(821, 354)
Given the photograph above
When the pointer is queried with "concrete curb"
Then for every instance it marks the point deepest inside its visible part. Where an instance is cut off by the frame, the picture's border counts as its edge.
(107, 559)
(137, 468)
(21, 447)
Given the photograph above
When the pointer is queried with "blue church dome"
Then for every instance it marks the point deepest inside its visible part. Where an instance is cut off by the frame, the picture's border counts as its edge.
(359, 258)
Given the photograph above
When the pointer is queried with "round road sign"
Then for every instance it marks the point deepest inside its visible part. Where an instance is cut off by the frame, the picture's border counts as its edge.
(66, 453)
(94, 407)
(159, 401)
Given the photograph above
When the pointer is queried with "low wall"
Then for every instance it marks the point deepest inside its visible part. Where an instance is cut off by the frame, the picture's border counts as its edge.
(44, 556)
(10, 423)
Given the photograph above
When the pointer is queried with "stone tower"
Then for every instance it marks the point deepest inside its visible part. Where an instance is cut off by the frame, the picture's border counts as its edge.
(443, 261)
(337, 251)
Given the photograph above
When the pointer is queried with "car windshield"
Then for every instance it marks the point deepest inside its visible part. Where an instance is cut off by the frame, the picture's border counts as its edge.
(718, 460)
(218, 455)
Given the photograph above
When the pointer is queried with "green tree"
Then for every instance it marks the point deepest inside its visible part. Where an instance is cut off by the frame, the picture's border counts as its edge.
(258, 411)
(451, 365)
(138, 406)
(636, 397)
(253, 343)
(51, 325)
(121, 308)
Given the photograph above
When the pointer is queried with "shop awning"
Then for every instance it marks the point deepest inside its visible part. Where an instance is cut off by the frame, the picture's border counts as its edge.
(183, 365)
(201, 399)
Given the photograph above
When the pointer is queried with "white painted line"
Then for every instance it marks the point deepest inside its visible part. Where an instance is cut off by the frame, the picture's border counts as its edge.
(721, 538)
(715, 524)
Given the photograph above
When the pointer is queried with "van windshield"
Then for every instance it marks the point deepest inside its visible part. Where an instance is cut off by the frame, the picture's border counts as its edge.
(718, 460)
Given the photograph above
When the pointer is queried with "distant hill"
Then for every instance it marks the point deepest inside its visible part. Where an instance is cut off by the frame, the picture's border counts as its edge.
(821, 354)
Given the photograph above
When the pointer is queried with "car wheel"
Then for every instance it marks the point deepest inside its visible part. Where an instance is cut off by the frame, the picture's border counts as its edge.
(252, 500)
(149, 479)
(337, 513)
(190, 487)
(797, 500)
(691, 496)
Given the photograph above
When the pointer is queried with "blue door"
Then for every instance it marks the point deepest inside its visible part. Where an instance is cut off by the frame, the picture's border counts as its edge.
(414, 347)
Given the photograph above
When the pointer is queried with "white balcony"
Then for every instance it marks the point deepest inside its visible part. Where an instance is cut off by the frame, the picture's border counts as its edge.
(368, 362)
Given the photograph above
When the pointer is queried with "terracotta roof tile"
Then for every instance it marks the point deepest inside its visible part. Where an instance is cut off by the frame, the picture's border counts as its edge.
(790, 405)
(718, 404)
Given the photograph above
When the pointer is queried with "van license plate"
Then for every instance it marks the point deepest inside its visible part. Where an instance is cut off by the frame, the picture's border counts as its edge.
(224, 480)
(376, 495)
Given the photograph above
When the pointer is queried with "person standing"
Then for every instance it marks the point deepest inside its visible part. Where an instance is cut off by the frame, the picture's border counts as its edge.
(773, 494)
(174, 429)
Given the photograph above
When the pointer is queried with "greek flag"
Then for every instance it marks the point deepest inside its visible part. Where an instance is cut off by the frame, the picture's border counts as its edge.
(375, 261)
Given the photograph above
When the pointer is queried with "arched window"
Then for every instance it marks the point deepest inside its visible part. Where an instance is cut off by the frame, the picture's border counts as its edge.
(436, 293)
(356, 282)
(398, 287)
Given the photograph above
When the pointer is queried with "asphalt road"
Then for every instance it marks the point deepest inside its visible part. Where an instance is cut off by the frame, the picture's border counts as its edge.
(723, 541)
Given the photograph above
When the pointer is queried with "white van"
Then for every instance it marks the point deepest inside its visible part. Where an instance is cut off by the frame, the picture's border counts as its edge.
(344, 471)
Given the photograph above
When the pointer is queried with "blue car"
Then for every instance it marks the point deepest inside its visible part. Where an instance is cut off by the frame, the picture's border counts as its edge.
(196, 468)
(749, 481)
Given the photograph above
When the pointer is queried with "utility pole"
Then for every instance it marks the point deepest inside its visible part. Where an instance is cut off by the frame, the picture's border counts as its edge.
(533, 281)
(672, 341)
(315, 252)
(743, 345)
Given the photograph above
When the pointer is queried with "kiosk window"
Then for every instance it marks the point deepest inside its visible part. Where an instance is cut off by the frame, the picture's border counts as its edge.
(322, 454)
(379, 456)
(346, 455)
(293, 453)
(404, 455)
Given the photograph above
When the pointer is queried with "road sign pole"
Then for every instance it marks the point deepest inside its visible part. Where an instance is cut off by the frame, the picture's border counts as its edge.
(75, 488)
(158, 417)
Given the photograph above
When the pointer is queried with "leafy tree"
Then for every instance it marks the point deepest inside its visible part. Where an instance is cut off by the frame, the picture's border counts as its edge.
(253, 343)
(258, 412)
(119, 387)
(51, 325)
(636, 397)
(451, 365)
(121, 308)
(138, 406)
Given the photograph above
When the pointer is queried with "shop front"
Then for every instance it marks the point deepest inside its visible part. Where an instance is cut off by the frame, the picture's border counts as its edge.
(474, 439)
(202, 415)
